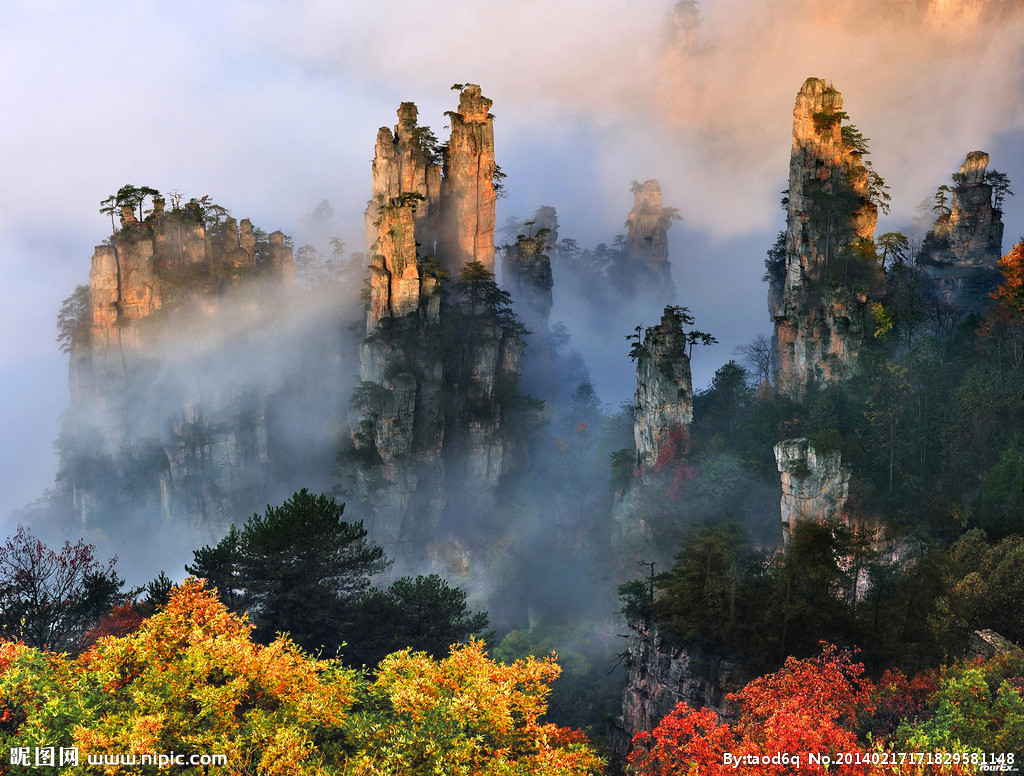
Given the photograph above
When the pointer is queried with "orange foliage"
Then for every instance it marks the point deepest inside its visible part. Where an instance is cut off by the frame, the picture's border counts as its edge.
(1010, 295)
(191, 680)
(465, 714)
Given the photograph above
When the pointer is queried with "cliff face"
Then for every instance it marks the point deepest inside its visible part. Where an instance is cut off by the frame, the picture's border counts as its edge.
(664, 391)
(467, 189)
(662, 675)
(815, 484)
(405, 162)
(150, 425)
(820, 299)
(526, 273)
(959, 254)
(441, 358)
(645, 267)
(662, 413)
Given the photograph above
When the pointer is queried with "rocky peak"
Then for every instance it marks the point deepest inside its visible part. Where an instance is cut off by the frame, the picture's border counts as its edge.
(974, 167)
(467, 188)
(645, 268)
(546, 217)
(526, 273)
(473, 106)
(413, 434)
(820, 298)
(960, 253)
(203, 464)
(664, 390)
(404, 169)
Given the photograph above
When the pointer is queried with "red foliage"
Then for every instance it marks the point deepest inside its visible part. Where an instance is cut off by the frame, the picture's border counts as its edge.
(674, 446)
(1010, 295)
(809, 706)
(684, 738)
(897, 698)
(119, 621)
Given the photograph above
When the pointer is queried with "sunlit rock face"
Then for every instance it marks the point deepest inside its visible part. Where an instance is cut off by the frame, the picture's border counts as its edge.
(664, 391)
(662, 675)
(526, 274)
(644, 269)
(158, 425)
(819, 300)
(428, 419)
(405, 162)
(815, 484)
(467, 188)
(960, 252)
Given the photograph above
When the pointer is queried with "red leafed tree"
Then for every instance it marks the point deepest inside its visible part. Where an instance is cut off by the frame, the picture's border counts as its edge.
(119, 621)
(50, 599)
(807, 706)
(686, 741)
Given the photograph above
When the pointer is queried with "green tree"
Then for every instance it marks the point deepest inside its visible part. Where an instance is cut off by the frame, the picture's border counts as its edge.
(706, 593)
(74, 319)
(1000, 183)
(297, 569)
(424, 614)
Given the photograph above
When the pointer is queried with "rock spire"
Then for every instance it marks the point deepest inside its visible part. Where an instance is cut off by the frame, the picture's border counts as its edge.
(960, 253)
(820, 295)
(645, 268)
(664, 391)
(467, 188)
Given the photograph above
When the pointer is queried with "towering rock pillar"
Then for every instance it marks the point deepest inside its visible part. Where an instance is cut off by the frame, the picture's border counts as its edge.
(526, 273)
(819, 299)
(644, 268)
(157, 424)
(664, 391)
(405, 166)
(430, 421)
(468, 186)
(961, 250)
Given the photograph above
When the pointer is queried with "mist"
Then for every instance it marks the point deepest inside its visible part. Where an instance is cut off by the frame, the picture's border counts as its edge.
(271, 109)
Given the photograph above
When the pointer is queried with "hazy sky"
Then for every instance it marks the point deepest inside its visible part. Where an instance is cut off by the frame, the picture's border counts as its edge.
(271, 107)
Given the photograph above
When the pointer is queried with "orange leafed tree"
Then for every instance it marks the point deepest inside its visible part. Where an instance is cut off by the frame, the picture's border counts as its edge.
(464, 715)
(189, 680)
(1010, 295)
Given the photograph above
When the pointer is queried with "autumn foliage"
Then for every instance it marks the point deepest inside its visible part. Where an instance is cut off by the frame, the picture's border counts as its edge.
(1010, 295)
(825, 705)
(191, 680)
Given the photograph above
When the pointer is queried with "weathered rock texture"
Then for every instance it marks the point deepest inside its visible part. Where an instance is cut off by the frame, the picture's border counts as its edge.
(526, 274)
(663, 675)
(959, 254)
(429, 420)
(645, 267)
(155, 425)
(467, 189)
(664, 391)
(815, 484)
(406, 163)
(820, 299)
(988, 645)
